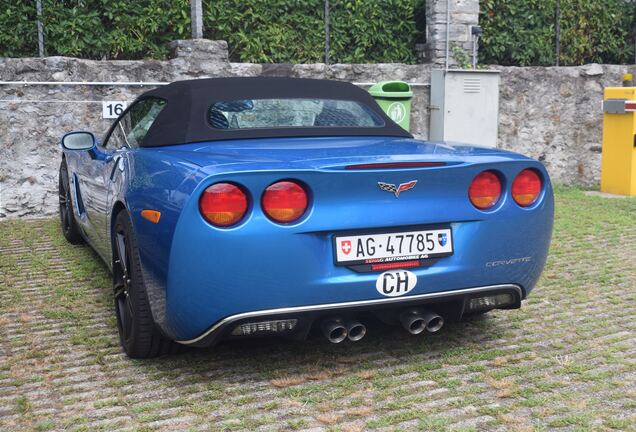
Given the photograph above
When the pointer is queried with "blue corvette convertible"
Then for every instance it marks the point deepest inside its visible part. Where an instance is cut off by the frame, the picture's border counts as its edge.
(237, 207)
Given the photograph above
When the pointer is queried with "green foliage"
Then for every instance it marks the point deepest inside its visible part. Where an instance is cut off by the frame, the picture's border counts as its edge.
(373, 31)
(144, 28)
(267, 31)
(516, 32)
(18, 31)
(277, 31)
(598, 32)
(523, 32)
(119, 29)
(461, 57)
(292, 31)
(73, 28)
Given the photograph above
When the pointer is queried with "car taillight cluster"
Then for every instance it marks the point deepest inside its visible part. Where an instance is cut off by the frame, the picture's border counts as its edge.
(223, 204)
(284, 202)
(486, 189)
(526, 187)
(226, 204)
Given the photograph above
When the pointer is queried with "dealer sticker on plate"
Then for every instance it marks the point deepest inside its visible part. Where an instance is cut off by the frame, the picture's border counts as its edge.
(393, 247)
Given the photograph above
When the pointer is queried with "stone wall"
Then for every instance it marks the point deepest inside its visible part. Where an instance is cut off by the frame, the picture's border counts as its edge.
(462, 16)
(552, 114)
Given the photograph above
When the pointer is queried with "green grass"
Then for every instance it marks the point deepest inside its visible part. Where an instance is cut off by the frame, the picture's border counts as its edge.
(23, 404)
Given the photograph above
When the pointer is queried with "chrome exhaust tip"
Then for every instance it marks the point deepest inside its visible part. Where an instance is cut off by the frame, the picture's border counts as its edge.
(416, 320)
(412, 321)
(356, 331)
(434, 323)
(334, 330)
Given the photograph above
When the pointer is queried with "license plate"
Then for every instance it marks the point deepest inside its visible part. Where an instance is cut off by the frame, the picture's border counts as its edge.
(393, 247)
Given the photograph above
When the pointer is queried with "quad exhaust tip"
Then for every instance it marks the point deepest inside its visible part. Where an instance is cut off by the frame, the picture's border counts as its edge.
(416, 320)
(334, 330)
(356, 331)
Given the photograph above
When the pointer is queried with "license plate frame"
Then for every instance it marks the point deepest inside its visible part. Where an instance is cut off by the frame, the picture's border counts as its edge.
(442, 252)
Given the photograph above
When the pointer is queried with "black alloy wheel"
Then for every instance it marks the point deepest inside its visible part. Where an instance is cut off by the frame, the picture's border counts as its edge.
(70, 230)
(121, 288)
(138, 333)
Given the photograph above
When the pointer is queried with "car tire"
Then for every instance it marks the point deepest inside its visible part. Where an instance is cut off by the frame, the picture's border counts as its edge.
(139, 336)
(70, 229)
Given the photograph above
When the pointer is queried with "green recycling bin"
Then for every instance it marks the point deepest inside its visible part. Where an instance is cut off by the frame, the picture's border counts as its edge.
(394, 97)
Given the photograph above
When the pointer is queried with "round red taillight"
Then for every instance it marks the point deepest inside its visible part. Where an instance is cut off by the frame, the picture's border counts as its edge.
(284, 201)
(485, 190)
(526, 187)
(223, 204)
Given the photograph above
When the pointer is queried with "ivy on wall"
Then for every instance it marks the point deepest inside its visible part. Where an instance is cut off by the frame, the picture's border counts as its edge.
(523, 32)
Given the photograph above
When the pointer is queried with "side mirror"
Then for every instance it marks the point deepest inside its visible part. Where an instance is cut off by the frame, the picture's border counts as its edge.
(78, 141)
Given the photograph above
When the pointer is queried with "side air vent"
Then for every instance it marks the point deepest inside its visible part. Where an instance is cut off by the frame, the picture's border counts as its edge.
(78, 195)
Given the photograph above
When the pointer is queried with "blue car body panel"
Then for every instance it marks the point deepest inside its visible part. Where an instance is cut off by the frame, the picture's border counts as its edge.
(197, 274)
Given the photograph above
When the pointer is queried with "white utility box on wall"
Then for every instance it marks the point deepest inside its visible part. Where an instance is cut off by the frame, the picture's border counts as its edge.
(465, 106)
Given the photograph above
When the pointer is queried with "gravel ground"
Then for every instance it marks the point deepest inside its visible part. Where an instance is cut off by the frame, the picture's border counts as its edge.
(565, 361)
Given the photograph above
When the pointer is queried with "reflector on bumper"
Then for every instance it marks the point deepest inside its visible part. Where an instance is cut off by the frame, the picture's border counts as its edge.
(252, 328)
(490, 302)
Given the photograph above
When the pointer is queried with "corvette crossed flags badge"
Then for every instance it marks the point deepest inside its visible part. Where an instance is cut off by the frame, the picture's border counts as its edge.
(388, 187)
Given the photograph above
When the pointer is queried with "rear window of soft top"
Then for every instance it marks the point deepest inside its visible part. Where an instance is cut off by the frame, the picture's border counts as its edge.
(291, 113)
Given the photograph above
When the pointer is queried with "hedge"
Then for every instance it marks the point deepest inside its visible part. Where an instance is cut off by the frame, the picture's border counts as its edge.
(117, 29)
(516, 32)
(289, 31)
(523, 32)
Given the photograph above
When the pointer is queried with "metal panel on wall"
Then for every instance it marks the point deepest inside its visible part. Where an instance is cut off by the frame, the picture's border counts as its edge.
(465, 106)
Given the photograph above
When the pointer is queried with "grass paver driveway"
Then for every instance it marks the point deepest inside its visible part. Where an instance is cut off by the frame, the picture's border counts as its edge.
(565, 361)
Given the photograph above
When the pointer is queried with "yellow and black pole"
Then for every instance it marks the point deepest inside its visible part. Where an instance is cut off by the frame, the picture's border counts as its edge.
(618, 167)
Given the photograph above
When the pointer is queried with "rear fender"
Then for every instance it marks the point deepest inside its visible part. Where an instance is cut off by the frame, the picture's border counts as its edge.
(162, 183)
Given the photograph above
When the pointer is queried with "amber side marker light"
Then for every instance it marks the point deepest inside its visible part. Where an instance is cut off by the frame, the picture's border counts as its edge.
(223, 204)
(152, 215)
(526, 187)
(485, 190)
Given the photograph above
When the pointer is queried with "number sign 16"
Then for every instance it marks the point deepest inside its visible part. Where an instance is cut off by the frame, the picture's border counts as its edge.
(112, 109)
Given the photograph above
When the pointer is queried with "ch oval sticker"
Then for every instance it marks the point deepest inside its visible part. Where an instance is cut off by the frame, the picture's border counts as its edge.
(396, 283)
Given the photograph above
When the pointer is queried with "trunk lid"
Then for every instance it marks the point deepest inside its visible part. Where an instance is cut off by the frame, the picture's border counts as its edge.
(325, 153)
(357, 199)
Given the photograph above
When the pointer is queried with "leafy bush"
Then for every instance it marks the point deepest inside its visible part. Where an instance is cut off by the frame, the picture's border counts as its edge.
(267, 31)
(374, 31)
(598, 32)
(290, 31)
(18, 31)
(114, 28)
(523, 32)
(516, 32)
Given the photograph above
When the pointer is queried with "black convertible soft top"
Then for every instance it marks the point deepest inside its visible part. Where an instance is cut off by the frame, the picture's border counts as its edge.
(184, 118)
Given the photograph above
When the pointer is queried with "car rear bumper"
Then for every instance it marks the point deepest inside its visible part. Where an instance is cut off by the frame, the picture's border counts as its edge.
(451, 304)
(213, 273)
